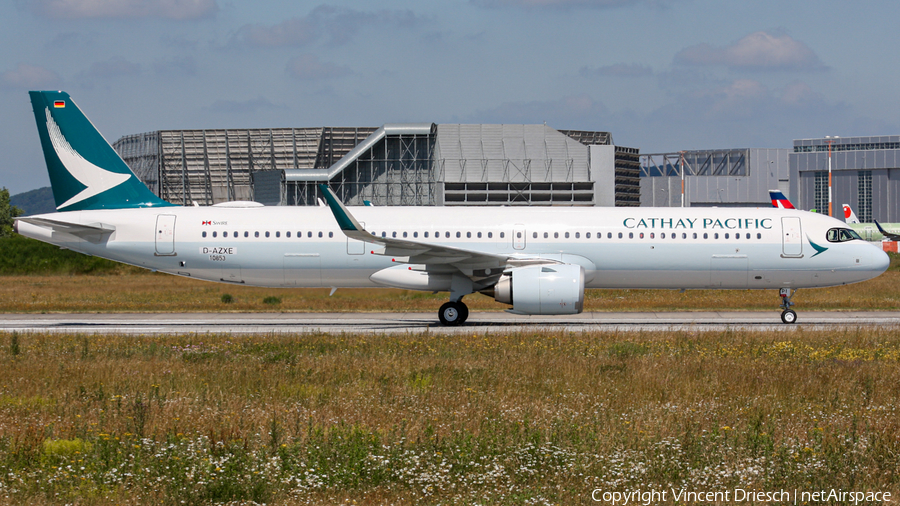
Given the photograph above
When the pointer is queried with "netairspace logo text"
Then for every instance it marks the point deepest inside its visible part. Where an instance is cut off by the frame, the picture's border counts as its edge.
(737, 495)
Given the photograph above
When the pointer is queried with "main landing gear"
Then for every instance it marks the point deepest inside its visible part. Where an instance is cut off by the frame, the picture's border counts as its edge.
(787, 315)
(453, 313)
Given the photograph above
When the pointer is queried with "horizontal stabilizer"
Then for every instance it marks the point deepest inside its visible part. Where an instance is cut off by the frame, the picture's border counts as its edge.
(94, 232)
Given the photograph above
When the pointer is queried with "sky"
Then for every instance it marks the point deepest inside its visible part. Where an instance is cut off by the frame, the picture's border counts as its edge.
(660, 75)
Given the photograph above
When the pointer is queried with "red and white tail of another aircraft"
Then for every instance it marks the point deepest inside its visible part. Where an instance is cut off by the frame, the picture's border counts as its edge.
(779, 200)
(849, 215)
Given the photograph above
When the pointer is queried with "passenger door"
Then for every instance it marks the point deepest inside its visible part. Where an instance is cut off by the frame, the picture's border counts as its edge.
(791, 237)
(165, 235)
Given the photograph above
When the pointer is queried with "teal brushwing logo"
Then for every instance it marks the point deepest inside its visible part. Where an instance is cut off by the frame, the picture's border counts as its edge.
(95, 179)
(819, 249)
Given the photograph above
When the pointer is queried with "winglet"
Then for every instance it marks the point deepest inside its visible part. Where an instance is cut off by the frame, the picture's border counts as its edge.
(346, 221)
(892, 237)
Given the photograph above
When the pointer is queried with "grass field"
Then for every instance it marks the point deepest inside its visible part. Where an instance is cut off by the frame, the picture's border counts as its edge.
(519, 418)
(523, 418)
(133, 290)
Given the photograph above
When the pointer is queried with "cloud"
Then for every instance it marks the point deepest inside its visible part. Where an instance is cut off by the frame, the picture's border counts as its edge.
(333, 24)
(178, 66)
(167, 9)
(30, 77)
(309, 67)
(749, 99)
(241, 107)
(117, 66)
(617, 70)
(561, 4)
(576, 111)
(759, 50)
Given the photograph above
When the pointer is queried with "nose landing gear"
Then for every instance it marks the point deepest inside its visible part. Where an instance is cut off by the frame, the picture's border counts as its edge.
(787, 315)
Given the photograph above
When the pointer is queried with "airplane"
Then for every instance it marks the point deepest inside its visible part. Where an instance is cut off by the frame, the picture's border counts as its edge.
(887, 231)
(539, 261)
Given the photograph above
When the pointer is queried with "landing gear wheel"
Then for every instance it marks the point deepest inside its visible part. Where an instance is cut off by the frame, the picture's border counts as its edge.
(453, 313)
(789, 316)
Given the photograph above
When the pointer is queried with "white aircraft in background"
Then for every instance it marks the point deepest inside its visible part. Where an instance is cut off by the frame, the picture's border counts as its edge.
(539, 260)
(889, 231)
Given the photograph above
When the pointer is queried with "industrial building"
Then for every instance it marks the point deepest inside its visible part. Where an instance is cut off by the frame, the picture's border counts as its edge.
(714, 178)
(395, 164)
(865, 174)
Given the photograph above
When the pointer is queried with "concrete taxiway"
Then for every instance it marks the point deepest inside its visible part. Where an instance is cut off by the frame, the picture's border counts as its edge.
(482, 322)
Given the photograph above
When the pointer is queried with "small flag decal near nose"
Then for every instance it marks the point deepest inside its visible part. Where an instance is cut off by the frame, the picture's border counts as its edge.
(59, 104)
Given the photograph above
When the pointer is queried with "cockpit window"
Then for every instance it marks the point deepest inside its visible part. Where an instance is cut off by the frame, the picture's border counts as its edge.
(841, 235)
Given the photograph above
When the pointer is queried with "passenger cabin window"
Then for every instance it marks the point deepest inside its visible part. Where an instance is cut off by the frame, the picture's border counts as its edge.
(837, 235)
(203, 234)
(502, 235)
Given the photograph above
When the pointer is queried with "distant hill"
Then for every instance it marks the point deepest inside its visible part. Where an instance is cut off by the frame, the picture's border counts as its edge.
(38, 201)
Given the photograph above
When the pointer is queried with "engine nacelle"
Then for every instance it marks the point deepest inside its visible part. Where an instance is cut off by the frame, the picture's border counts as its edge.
(543, 289)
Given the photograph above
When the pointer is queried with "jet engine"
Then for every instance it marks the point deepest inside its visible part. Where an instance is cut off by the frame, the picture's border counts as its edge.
(542, 289)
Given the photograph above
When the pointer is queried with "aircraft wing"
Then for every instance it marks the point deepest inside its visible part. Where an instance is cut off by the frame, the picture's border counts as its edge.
(889, 235)
(94, 232)
(416, 252)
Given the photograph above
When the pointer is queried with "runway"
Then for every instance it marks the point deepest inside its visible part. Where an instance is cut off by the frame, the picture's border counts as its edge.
(478, 322)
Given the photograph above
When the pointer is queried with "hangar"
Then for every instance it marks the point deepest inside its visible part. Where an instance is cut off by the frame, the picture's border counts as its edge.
(865, 174)
(714, 177)
(395, 164)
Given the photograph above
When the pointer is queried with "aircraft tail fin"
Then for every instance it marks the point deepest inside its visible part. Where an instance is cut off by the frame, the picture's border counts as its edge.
(779, 200)
(85, 171)
(849, 215)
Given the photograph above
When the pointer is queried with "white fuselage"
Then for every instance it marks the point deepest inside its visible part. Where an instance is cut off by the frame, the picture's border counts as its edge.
(618, 247)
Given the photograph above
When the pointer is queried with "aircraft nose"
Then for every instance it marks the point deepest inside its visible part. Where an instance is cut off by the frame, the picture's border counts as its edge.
(878, 261)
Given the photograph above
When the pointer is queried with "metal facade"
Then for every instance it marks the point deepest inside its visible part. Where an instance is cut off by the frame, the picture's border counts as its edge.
(865, 174)
(212, 166)
(721, 178)
(403, 164)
